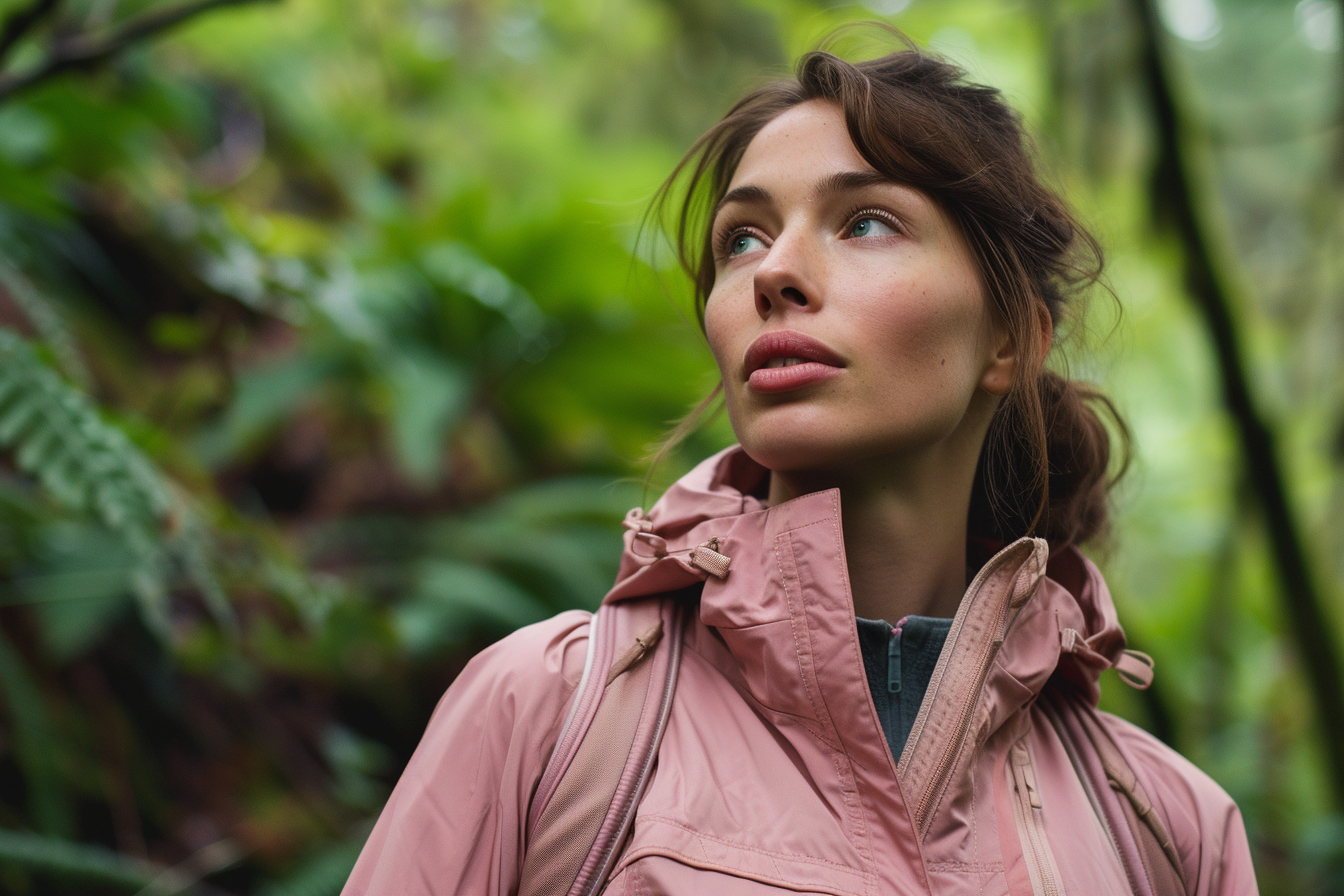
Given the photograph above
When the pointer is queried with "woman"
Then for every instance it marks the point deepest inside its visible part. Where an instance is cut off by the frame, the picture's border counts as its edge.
(880, 277)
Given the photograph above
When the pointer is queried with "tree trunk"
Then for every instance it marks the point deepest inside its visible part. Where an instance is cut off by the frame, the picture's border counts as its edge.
(1174, 204)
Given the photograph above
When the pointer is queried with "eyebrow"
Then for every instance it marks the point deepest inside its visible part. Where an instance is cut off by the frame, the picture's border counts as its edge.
(848, 182)
(831, 185)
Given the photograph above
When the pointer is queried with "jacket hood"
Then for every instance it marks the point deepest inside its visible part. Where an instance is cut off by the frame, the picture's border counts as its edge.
(1064, 625)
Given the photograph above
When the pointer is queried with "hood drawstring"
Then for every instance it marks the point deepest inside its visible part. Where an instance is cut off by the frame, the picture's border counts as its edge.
(704, 556)
(642, 529)
(1134, 667)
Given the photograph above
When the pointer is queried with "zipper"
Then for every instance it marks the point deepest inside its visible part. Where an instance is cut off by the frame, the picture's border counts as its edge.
(944, 767)
(894, 660)
(1030, 825)
(626, 815)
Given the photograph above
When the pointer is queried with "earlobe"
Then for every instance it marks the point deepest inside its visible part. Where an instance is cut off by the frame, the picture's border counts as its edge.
(1002, 368)
(1047, 329)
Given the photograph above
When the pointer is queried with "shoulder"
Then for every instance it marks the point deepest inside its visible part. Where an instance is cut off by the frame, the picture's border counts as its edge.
(525, 678)
(459, 810)
(1189, 796)
(1203, 820)
(550, 653)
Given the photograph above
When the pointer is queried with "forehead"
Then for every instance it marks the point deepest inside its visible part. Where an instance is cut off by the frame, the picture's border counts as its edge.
(801, 143)
(805, 155)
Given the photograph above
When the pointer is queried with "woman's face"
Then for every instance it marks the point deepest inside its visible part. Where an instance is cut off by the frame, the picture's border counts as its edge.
(820, 259)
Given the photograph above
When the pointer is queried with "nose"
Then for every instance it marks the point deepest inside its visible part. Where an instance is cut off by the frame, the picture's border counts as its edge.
(786, 278)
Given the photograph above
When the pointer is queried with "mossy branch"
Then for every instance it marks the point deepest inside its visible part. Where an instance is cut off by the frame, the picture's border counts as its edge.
(83, 51)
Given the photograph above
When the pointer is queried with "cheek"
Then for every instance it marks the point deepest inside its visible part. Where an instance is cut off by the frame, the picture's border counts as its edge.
(931, 331)
(718, 333)
(725, 332)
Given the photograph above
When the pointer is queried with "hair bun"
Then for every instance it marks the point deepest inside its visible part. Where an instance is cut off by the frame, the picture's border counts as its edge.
(1071, 495)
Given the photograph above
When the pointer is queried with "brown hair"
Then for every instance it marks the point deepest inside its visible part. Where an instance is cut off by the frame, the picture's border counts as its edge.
(916, 119)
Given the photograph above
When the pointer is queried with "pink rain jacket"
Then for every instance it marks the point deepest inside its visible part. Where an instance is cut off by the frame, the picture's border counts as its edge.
(774, 775)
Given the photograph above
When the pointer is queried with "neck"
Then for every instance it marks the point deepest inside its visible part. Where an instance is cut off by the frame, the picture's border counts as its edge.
(904, 531)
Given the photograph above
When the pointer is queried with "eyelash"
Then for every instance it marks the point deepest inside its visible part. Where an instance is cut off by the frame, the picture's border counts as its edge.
(724, 241)
(868, 211)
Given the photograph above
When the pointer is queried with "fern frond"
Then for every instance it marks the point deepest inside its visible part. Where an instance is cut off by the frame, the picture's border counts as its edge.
(47, 321)
(89, 466)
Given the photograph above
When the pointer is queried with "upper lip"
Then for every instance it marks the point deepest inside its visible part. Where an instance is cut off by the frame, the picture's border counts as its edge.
(788, 344)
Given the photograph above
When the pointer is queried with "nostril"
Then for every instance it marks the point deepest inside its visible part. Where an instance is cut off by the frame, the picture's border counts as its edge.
(793, 295)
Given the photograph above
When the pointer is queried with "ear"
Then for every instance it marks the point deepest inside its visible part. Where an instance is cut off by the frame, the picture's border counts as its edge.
(1001, 370)
(997, 378)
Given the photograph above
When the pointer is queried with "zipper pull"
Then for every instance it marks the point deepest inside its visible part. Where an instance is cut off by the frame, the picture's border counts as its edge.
(1023, 760)
(635, 652)
(894, 662)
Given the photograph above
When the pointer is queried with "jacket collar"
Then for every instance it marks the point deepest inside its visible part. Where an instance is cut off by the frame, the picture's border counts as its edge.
(785, 611)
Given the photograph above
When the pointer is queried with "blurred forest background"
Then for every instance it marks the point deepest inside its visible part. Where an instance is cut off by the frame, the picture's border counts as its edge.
(329, 349)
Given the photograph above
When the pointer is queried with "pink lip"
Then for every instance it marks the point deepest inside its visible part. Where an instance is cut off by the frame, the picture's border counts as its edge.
(819, 362)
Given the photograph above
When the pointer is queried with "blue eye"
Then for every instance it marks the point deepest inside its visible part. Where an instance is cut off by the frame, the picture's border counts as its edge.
(740, 243)
(871, 226)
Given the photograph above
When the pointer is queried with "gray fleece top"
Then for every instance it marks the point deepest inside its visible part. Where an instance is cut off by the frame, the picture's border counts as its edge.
(899, 661)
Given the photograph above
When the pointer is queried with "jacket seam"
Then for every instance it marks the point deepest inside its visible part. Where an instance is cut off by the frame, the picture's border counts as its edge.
(857, 822)
(752, 700)
(973, 867)
(863, 844)
(975, 816)
(742, 873)
(797, 646)
(769, 853)
(801, 526)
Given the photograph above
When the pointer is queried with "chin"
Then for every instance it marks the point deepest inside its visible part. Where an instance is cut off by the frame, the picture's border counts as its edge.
(799, 450)
(818, 447)
(785, 439)
(784, 458)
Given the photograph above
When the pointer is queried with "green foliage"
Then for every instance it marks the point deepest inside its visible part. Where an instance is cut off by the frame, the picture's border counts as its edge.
(320, 875)
(32, 734)
(79, 861)
(57, 436)
(323, 334)
(88, 466)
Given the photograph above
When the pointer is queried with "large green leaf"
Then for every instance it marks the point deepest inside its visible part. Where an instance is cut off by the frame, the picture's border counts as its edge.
(451, 599)
(81, 861)
(429, 395)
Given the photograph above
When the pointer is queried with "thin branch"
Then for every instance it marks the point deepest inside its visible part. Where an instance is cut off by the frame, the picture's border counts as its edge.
(21, 21)
(1175, 193)
(83, 51)
(1338, 167)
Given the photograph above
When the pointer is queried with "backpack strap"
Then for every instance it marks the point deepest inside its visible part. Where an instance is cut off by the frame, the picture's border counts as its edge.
(585, 801)
(1141, 838)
